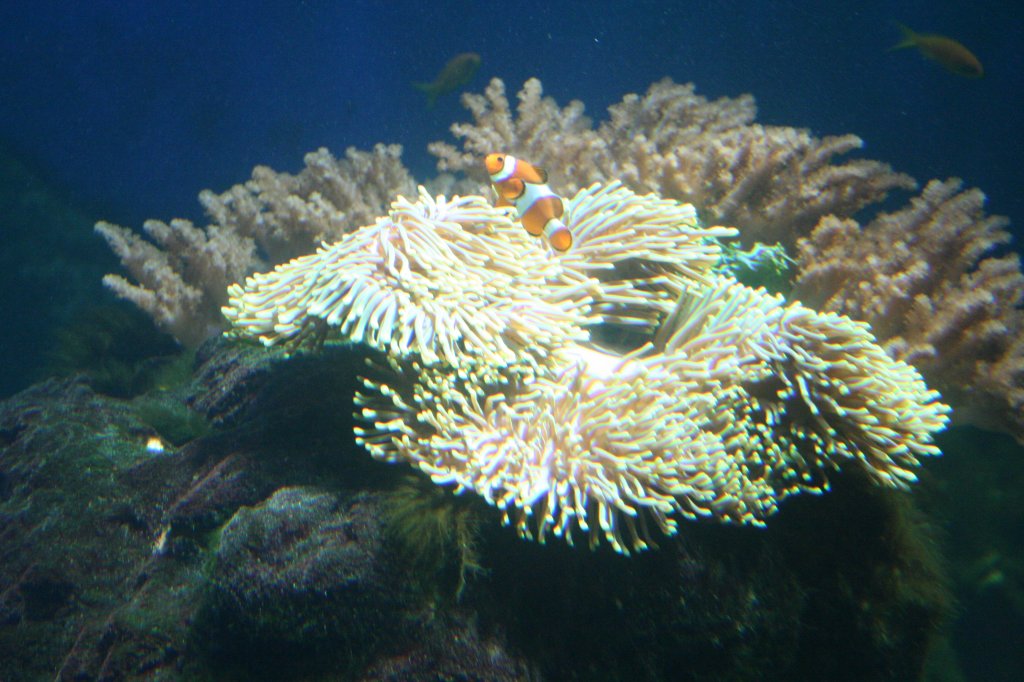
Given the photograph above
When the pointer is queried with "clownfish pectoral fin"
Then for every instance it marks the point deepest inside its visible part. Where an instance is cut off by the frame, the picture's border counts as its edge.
(502, 202)
(510, 189)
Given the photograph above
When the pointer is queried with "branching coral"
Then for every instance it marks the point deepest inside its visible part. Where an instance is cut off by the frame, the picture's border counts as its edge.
(288, 215)
(931, 281)
(774, 181)
(181, 271)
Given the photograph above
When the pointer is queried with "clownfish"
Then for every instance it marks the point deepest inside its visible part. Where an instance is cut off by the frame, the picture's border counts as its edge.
(524, 186)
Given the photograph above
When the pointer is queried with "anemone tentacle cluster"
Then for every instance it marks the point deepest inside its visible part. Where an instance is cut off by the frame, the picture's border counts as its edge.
(495, 383)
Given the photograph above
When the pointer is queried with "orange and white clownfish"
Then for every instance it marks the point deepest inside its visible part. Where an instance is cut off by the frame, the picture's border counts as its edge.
(524, 186)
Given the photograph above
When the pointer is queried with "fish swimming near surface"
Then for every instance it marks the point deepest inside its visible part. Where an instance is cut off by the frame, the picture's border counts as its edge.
(520, 184)
(459, 70)
(950, 54)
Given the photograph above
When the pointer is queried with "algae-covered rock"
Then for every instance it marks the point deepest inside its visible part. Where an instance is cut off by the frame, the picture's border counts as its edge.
(296, 576)
(78, 519)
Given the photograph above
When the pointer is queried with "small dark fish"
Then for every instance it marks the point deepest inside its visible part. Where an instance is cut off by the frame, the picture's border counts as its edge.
(950, 54)
(459, 70)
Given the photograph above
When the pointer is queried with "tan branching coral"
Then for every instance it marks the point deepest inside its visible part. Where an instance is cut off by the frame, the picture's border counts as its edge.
(744, 402)
(181, 271)
(289, 215)
(933, 284)
(774, 181)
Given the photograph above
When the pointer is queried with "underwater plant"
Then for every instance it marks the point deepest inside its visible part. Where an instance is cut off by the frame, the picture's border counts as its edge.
(435, 533)
(733, 400)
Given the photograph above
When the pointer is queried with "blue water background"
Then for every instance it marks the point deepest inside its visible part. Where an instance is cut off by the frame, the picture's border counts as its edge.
(136, 106)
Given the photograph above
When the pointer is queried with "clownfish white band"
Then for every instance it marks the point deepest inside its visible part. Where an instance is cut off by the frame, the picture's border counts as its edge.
(508, 168)
(532, 193)
(553, 227)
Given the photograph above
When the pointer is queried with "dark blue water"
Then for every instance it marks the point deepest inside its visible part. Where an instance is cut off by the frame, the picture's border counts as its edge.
(136, 106)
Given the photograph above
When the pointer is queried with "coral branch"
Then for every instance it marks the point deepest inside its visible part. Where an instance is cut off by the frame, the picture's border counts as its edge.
(934, 285)
(181, 274)
(776, 182)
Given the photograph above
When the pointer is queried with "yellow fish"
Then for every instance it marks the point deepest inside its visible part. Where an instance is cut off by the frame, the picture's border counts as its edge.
(459, 70)
(950, 54)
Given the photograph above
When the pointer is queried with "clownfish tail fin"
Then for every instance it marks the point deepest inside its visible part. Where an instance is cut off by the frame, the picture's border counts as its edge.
(558, 235)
